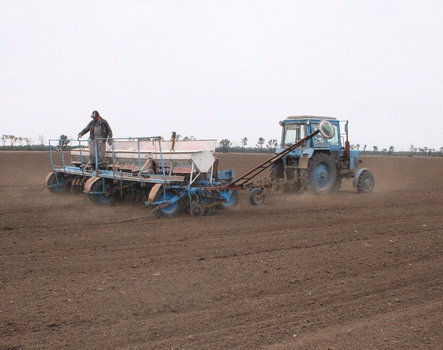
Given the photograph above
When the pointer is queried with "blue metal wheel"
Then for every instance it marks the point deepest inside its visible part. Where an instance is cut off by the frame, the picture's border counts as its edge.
(168, 197)
(57, 183)
(101, 193)
(321, 175)
(232, 199)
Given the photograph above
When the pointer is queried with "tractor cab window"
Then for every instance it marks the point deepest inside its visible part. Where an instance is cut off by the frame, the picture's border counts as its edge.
(293, 133)
(320, 141)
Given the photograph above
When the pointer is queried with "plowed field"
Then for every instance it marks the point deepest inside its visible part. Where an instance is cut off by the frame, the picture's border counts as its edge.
(341, 271)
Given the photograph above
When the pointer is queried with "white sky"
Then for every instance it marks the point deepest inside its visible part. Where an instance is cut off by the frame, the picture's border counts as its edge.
(223, 69)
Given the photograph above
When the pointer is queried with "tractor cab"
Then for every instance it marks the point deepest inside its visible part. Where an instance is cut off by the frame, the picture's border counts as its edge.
(297, 128)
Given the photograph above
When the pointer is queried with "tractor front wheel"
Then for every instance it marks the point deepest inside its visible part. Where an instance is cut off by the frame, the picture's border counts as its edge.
(366, 182)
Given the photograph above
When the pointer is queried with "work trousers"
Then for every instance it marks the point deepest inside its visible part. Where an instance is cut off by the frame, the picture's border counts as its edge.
(101, 151)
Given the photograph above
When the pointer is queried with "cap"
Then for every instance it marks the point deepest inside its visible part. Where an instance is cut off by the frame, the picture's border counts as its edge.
(95, 114)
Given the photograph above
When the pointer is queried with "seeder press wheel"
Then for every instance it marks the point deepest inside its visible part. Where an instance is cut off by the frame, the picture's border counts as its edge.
(232, 202)
(57, 183)
(99, 192)
(196, 210)
(169, 210)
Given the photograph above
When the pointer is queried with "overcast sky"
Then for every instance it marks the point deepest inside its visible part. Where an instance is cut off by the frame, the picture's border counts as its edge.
(223, 69)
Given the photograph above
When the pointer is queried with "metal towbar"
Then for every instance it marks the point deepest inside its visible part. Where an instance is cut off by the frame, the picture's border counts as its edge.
(244, 181)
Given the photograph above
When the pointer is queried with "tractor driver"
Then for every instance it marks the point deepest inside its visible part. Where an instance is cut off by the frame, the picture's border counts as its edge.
(99, 131)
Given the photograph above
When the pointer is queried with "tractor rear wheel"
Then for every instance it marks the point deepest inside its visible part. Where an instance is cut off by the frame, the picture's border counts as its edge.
(321, 175)
(366, 182)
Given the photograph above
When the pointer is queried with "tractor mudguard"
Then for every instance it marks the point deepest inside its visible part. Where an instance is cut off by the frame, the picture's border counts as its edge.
(305, 157)
(303, 163)
(308, 152)
(354, 159)
(357, 175)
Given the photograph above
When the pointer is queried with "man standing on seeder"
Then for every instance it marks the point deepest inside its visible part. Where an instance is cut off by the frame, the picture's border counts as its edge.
(99, 132)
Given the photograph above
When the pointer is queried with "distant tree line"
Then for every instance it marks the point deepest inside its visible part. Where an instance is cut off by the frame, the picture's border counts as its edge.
(12, 142)
(18, 143)
(262, 146)
(413, 151)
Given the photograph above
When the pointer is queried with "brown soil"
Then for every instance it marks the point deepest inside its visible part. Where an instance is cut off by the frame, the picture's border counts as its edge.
(342, 271)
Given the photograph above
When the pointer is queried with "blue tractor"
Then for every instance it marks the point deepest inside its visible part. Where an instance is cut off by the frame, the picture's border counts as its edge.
(318, 163)
(314, 156)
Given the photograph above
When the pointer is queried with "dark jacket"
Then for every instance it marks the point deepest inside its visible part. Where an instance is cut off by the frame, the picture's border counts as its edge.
(106, 130)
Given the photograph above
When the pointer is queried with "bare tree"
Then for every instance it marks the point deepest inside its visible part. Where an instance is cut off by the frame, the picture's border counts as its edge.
(28, 141)
(62, 142)
(225, 144)
(244, 142)
(272, 145)
(13, 139)
(411, 149)
(260, 143)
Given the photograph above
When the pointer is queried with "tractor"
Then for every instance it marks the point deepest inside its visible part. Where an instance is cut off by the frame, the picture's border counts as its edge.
(314, 156)
(319, 164)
